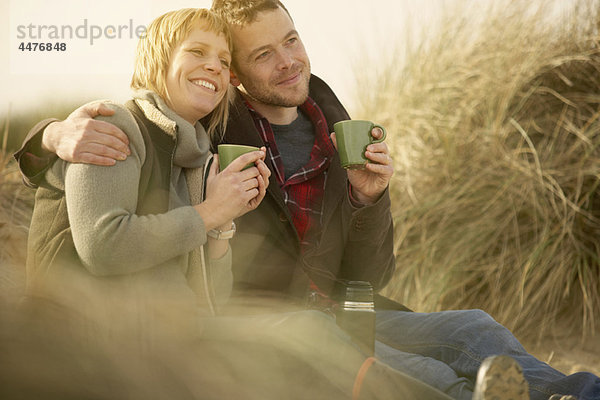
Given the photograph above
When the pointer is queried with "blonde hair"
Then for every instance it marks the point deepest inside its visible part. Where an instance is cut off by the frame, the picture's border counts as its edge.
(155, 48)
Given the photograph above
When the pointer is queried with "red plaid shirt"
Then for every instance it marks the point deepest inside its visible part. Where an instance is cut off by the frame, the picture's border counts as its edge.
(303, 191)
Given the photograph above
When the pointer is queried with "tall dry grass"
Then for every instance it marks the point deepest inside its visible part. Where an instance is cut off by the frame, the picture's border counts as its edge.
(495, 134)
(16, 202)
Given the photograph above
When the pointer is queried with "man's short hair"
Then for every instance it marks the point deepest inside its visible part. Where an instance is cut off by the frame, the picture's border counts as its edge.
(155, 48)
(243, 12)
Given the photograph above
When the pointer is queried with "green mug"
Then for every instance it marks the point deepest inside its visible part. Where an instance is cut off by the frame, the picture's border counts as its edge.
(229, 152)
(353, 137)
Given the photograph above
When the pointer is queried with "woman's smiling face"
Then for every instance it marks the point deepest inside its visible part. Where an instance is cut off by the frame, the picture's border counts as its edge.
(198, 74)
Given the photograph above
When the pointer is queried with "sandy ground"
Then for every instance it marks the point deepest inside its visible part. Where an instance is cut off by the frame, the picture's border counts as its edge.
(569, 353)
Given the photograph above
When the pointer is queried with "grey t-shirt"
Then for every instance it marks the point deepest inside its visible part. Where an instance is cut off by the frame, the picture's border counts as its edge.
(295, 142)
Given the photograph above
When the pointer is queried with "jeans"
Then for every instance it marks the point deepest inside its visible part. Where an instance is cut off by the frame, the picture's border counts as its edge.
(445, 350)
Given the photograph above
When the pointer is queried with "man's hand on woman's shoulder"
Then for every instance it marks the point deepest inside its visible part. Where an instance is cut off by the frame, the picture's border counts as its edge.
(82, 139)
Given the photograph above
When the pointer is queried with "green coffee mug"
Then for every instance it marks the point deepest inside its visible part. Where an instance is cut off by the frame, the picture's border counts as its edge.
(229, 152)
(353, 137)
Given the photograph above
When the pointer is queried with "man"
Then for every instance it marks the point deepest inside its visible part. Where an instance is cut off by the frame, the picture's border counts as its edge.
(318, 223)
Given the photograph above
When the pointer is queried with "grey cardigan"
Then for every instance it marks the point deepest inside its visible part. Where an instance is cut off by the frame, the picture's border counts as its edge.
(157, 259)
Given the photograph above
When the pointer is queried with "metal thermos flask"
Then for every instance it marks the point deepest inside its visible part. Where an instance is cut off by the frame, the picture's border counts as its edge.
(356, 313)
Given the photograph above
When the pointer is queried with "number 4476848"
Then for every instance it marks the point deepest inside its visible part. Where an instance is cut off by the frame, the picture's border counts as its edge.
(35, 46)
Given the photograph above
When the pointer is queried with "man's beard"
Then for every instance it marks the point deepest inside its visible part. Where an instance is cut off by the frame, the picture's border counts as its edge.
(272, 97)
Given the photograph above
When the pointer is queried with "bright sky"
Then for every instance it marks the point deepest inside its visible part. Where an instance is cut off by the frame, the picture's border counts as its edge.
(99, 40)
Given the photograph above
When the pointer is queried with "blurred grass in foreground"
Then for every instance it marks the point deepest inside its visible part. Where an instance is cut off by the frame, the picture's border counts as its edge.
(495, 135)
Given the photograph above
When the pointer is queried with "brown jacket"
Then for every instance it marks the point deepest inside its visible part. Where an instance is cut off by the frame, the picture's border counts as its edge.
(355, 244)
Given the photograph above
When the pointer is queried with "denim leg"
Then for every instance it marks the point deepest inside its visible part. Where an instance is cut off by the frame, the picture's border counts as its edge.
(426, 369)
(462, 339)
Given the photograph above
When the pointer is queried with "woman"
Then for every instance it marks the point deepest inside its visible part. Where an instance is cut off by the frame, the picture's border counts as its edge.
(146, 241)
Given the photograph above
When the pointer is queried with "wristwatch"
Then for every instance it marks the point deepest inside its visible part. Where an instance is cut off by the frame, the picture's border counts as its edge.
(222, 235)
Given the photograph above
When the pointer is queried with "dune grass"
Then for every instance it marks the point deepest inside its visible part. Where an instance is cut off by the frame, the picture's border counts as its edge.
(16, 202)
(495, 133)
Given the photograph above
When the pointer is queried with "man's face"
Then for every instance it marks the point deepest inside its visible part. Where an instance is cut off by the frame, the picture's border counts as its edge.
(270, 61)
